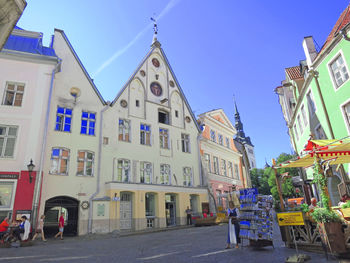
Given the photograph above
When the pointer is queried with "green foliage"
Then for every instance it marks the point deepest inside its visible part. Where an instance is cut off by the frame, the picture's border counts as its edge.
(346, 205)
(321, 180)
(260, 180)
(324, 215)
(304, 208)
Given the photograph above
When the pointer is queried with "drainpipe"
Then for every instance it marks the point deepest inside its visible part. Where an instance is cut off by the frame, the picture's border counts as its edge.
(99, 169)
(314, 73)
(37, 189)
(201, 181)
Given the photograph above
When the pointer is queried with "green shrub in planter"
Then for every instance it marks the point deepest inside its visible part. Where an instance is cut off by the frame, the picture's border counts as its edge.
(304, 208)
(323, 215)
(346, 205)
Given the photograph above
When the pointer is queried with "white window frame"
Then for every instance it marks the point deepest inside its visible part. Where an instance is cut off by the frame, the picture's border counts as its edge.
(5, 138)
(220, 139)
(230, 169)
(330, 71)
(311, 95)
(15, 91)
(216, 165)
(187, 176)
(228, 142)
(300, 124)
(213, 139)
(346, 118)
(123, 130)
(144, 133)
(163, 174)
(236, 174)
(88, 121)
(85, 160)
(223, 167)
(185, 143)
(59, 158)
(164, 137)
(207, 161)
(14, 188)
(146, 172)
(303, 114)
(317, 137)
(124, 165)
(296, 131)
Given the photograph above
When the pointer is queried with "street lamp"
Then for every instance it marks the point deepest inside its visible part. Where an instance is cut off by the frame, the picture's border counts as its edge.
(30, 170)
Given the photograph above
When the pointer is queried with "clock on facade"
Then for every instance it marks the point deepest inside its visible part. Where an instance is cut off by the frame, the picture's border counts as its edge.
(155, 62)
(156, 89)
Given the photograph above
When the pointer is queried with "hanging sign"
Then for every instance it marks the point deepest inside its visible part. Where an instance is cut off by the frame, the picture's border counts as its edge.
(290, 219)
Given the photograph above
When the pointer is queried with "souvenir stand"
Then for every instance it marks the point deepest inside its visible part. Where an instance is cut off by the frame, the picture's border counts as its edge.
(255, 218)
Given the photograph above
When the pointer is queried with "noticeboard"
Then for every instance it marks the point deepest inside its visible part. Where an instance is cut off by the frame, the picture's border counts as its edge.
(290, 219)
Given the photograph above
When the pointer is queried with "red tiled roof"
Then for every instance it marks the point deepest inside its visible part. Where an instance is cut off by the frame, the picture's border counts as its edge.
(294, 73)
(342, 21)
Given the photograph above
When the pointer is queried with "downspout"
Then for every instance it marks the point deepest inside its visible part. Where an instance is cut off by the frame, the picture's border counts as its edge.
(37, 190)
(201, 181)
(98, 171)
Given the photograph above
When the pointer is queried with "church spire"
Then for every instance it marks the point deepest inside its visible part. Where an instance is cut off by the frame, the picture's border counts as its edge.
(239, 127)
(155, 41)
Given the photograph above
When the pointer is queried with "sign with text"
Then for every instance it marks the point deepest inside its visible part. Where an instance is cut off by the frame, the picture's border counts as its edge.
(8, 176)
(290, 219)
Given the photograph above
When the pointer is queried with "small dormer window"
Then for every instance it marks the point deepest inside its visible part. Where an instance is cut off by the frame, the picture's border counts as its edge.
(163, 117)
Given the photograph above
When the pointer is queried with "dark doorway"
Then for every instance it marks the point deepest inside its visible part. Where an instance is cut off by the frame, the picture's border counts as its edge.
(53, 209)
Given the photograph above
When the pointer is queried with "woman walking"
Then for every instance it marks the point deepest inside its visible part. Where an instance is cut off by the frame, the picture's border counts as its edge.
(233, 226)
(40, 229)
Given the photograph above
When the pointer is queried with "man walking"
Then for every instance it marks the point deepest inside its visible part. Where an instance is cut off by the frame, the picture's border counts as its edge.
(60, 226)
(189, 216)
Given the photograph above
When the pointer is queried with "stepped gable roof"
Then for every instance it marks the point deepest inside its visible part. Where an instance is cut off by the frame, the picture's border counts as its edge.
(28, 42)
(294, 73)
(342, 21)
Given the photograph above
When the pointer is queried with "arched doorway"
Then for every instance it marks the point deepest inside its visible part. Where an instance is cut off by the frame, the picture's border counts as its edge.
(53, 209)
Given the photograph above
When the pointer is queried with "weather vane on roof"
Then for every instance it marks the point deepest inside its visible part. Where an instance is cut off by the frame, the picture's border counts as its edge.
(155, 27)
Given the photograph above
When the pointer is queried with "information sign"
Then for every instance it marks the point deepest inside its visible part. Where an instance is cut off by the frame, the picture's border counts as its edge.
(290, 219)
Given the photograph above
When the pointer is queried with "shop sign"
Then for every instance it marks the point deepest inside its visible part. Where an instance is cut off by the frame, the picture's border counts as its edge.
(290, 219)
(249, 191)
(8, 176)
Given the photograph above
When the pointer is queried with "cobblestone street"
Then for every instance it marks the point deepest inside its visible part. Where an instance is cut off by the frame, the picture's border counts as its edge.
(204, 244)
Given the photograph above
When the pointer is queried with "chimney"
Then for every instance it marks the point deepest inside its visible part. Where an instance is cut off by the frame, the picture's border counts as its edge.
(309, 50)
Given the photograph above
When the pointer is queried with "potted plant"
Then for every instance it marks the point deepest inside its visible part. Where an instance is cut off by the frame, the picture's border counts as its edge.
(345, 209)
(328, 221)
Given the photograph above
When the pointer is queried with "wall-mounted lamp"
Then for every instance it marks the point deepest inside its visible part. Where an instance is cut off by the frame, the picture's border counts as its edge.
(30, 167)
(75, 93)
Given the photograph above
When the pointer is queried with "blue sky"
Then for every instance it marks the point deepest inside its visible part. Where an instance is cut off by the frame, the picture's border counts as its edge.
(217, 49)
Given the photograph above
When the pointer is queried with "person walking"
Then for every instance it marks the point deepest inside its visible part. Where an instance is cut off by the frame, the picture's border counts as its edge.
(40, 229)
(189, 216)
(26, 227)
(60, 226)
(233, 225)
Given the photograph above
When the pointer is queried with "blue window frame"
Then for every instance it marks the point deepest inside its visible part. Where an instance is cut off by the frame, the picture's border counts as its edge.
(88, 120)
(63, 119)
(213, 135)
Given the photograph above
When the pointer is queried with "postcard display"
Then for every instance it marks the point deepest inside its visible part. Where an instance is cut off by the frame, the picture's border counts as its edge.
(255, 218)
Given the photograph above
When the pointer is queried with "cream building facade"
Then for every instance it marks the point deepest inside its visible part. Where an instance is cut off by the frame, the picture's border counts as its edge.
(222, 162)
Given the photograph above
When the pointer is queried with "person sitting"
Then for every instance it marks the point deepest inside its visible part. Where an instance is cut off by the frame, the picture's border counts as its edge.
(4, 227)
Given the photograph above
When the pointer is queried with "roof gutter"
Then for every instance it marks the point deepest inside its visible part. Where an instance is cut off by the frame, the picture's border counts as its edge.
(98, 171)
(37, 190)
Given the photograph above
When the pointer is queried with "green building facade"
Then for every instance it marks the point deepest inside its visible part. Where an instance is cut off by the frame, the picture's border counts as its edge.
(315, 98)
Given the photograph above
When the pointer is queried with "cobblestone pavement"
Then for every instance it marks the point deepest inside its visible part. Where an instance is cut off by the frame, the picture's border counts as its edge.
(195, 244)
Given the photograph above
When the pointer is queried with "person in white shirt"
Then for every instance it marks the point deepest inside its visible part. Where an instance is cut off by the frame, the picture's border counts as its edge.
(26, 228)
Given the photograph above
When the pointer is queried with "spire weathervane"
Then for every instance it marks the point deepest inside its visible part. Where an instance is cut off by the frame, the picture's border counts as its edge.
(155, 29)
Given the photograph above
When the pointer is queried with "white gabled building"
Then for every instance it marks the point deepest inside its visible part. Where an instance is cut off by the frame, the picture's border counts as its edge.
(150, 157)
(71, 170)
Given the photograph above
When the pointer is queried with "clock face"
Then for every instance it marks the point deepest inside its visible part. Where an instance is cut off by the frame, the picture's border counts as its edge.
(156, 89)
(155, 62)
